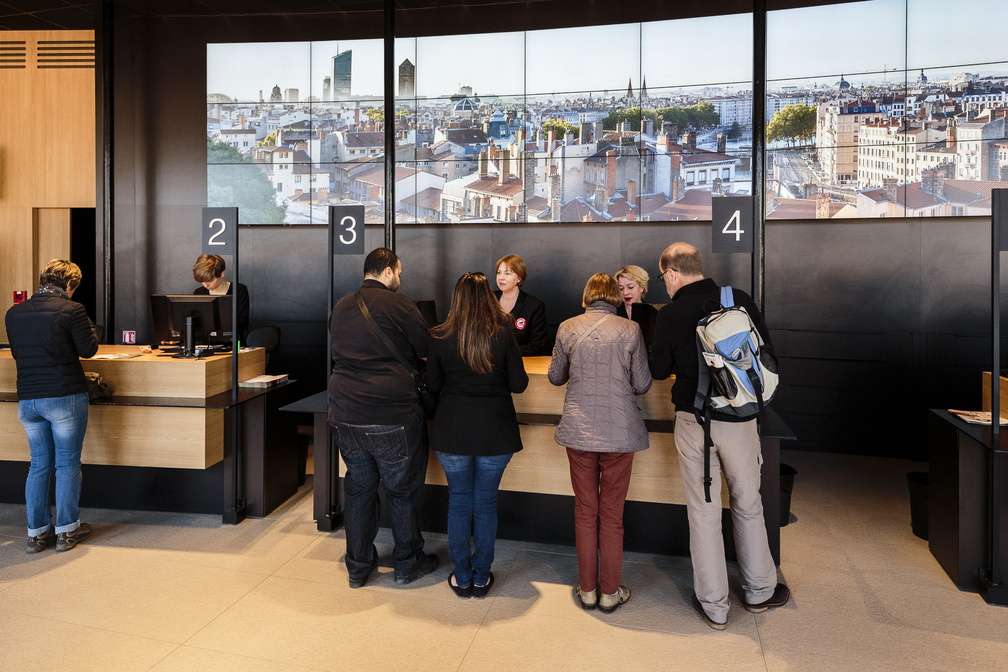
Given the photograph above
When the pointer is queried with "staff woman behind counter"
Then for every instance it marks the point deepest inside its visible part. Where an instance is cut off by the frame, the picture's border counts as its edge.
(528, 313)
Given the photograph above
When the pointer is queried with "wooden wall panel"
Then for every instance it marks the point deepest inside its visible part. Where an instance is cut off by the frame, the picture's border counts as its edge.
(47, 146)
(50, 238)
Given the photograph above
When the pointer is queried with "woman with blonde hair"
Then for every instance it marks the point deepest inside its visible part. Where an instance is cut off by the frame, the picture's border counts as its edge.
(474, 364)
(48, 335)
(603, 361)
(633, 282)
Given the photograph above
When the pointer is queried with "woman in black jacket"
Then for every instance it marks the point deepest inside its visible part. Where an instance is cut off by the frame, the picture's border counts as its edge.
(209, 272)
(632, 281)
(528, 313)
(48, 335)
(475, 364)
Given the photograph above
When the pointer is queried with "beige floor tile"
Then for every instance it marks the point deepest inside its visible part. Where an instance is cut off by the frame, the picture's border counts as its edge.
(255, 546)
(539, 641)
(128, 591)
(30, 644)
(328, 627)
(190, 659)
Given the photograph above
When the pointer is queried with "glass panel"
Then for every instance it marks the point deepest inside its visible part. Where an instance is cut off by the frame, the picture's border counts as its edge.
(694, 40)
(942, 35)
(470, 65)
(260, 193)
(343, 70)
(835, 40)
(584, 59)
(255, 72)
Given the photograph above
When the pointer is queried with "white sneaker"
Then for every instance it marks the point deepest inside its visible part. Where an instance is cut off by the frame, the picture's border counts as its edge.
(588, 599)
(610, 603)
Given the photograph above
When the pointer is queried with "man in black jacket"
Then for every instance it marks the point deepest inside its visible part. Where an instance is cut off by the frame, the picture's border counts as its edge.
(736, 449)
(375, 410)
(48, 335)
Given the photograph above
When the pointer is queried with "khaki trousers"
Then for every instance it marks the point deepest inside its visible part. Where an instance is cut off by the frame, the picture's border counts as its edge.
(736, 453)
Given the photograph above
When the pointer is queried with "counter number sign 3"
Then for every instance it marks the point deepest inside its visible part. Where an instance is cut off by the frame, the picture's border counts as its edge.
(732, 224)
(347, 225)
(219, 229)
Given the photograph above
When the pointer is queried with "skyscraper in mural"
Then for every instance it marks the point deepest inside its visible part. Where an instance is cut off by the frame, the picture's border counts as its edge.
(342, 65)
(407, 79)
(327, 88)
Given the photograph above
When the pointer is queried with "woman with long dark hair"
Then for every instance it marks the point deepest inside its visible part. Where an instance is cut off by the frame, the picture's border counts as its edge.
(474, 364)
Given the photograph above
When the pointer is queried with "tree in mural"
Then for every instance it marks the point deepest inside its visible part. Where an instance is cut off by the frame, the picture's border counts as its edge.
(234, 181)
(792, 124)
(559, 127)
(693, 117)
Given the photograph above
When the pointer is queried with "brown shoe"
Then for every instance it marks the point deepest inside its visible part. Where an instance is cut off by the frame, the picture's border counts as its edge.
(67, 540)
(781, 596)
(38, 543)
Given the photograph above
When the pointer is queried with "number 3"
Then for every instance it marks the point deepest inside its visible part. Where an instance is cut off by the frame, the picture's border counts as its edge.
(351, 229)
(213, 238)
(737, 220)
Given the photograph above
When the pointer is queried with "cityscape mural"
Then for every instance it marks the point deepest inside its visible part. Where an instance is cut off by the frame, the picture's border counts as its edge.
(873, 109)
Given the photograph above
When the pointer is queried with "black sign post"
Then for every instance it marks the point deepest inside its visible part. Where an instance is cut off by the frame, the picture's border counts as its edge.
(219, 235)
(992, 581)
(732, 225)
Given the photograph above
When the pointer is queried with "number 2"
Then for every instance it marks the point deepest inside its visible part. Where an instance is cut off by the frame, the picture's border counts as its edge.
(737, 220)
(213, 238)
(351, 229)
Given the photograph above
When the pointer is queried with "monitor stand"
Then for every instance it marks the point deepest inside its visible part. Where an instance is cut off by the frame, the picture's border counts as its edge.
(188, 350)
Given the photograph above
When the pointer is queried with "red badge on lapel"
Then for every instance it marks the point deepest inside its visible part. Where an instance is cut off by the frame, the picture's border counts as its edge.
(520, 323)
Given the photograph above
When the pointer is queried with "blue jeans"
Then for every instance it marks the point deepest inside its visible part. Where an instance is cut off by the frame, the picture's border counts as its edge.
(472, 512)
(55, 427)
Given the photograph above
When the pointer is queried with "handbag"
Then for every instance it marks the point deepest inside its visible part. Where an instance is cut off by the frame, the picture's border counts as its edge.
(97, 388)
(427, 398)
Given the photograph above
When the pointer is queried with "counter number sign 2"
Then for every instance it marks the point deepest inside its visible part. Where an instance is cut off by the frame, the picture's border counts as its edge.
(347, 225)
(732, 224)
(219, 230)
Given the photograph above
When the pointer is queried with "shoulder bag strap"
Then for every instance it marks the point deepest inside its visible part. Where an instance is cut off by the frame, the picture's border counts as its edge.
(590, 331)
(382, 337)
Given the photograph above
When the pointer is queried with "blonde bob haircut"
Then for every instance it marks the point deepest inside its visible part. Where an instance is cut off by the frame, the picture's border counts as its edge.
(601, 287)
(635, 273)
(516, 264)
(60, 273)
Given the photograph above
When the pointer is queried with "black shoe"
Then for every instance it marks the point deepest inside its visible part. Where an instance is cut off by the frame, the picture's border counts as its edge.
(425, 564)
(781, 596)
(362, 581)
(67, 540)
(711, 623)
(460, 591)
(481, 591)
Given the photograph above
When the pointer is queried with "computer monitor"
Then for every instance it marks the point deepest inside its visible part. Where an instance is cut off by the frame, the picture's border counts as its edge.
(191, 320)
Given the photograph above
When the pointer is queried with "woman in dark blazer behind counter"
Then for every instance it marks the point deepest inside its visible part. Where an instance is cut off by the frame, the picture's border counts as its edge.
(632, 281)
(475, 364)
(528, 313)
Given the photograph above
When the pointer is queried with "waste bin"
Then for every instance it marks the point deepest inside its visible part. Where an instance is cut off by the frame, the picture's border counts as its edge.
(787, 476)
(917, 482)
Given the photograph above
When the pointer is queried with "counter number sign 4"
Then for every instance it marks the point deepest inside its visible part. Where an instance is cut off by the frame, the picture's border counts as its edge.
(219, 231)
(732, 224)
(347, 224)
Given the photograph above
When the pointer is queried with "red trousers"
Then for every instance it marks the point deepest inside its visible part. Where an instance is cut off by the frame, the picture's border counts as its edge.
(600, 482)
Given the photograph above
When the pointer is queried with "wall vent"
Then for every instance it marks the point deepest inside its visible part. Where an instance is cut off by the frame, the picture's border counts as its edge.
(13, 54)
(53, 54)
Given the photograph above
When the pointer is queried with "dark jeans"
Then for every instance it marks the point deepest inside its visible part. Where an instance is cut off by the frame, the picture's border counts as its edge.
(395, 456)
(472, 512)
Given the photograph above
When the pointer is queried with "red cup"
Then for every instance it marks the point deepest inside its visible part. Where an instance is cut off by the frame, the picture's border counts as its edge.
(20, 295)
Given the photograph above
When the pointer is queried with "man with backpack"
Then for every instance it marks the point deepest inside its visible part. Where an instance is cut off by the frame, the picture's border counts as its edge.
(715, 342)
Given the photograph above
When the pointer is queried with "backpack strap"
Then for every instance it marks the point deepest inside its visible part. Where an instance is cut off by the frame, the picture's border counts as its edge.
(727, 297)
(591, 330)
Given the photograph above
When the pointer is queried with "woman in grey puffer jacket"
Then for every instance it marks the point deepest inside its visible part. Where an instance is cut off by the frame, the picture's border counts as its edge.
(602, 358)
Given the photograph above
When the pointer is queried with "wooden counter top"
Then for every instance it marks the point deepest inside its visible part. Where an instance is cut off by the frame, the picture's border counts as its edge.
(176, 420)
(157, 375)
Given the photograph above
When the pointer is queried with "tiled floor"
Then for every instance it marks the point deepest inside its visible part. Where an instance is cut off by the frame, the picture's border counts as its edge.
(173, 593)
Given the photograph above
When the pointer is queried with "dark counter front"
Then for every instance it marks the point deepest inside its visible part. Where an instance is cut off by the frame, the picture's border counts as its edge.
(536, 499)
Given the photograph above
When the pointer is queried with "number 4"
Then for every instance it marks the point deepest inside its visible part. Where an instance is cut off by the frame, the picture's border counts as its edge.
(736, 219)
